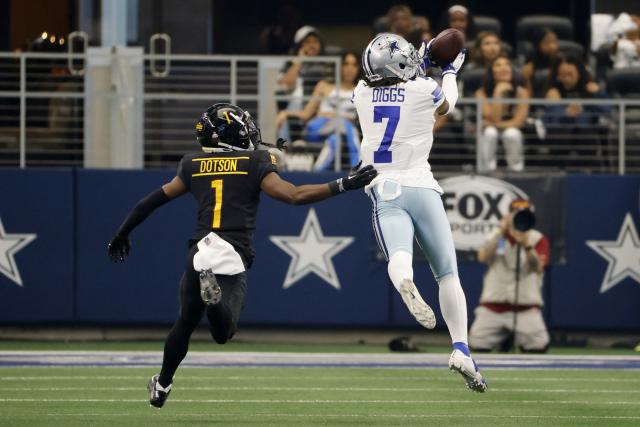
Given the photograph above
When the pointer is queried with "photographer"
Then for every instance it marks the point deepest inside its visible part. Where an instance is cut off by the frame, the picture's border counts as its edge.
(511, 299)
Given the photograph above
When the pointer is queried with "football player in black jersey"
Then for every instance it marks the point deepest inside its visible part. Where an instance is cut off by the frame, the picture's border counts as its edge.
(226, 179)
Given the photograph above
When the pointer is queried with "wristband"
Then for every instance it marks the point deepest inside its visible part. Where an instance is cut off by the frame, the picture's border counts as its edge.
(336, 187)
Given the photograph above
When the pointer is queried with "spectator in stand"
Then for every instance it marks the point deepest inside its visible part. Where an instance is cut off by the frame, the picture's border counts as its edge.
(486, 48)
(331, 108)
(502, 121)
(459, 17)
(625, 50)
(423, 26)
(401, 21)
(545, 51)
(299, 78)
(569, 79)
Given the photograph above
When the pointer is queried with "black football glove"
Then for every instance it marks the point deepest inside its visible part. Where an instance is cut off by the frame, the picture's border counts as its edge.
(357, 178)
(119, 248)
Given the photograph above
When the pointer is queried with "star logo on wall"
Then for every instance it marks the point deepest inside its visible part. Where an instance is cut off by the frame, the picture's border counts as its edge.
(10, 244)
(623, 255)
(311, 252)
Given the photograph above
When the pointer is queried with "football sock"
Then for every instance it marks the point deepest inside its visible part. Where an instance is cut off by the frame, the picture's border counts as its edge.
(175, 348)
(400, 268)
(454, 307)
(462, 347)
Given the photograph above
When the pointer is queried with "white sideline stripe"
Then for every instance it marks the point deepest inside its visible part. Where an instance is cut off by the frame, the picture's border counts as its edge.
(326, 401)
(299, 355)
(324, 377)
(289, 415)
(321, 401)
(350, 389)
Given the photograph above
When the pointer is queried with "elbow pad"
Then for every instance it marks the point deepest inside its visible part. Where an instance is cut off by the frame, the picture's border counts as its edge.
(450, 90)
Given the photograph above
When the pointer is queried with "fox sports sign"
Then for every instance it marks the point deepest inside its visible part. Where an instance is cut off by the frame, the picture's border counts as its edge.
(475, 205)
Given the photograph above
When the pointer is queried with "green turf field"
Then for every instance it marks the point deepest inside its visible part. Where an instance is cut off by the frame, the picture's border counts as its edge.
(301, 396)
(82, 396)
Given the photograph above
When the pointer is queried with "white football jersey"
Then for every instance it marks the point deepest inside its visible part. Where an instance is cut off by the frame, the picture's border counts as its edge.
(397, 130)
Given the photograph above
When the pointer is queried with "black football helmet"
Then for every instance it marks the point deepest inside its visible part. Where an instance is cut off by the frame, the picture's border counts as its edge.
(227, 127)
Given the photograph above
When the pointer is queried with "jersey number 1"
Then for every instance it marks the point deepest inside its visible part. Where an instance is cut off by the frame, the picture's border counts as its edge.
(217, 203)
(392, 113)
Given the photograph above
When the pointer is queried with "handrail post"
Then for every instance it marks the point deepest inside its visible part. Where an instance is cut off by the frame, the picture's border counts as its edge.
(479, 105)
(23, 111)
(233, 80)
(338, 120)
(622, 119)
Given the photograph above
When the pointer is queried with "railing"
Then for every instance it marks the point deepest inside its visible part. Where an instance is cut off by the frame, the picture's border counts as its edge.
(42, 116)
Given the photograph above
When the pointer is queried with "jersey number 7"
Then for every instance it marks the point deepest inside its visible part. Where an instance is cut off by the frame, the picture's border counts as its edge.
(392, 113)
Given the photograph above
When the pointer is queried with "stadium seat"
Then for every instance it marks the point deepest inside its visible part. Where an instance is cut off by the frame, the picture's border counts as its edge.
(561, 25)
(624, 83)
(527, 25)
(569, 47)
(487, 23)
(472, 80)
(540, 80)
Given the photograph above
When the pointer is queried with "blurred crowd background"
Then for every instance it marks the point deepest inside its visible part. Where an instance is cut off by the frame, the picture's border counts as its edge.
(563, 66)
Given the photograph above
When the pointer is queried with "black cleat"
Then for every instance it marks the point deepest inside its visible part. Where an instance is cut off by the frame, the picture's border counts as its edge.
(210, 291)
(157, 394)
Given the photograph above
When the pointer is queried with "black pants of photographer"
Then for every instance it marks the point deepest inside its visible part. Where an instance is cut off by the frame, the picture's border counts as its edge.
(223, 317)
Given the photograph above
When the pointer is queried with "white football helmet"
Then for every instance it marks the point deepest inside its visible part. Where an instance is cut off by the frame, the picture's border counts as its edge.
(390, 55)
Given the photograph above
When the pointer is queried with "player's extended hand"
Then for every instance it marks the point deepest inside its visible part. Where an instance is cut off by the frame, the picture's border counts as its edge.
(455, 66)
(119, 248)
(359, 177)
(425, 54)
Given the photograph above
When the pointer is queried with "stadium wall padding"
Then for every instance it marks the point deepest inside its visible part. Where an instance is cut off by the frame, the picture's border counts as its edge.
(68, 279)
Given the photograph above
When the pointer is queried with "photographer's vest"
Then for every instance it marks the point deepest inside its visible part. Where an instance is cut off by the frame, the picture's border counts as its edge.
(500, 279)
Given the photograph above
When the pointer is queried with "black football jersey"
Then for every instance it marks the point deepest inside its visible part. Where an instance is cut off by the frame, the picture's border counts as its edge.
(226, 186)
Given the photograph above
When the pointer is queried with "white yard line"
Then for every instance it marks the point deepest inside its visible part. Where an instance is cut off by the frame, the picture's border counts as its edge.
(323, 415)
(304, 378)
(344, 389)
(326, 401)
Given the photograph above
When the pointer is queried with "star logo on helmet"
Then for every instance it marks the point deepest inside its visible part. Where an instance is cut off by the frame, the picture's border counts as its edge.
(393, 46)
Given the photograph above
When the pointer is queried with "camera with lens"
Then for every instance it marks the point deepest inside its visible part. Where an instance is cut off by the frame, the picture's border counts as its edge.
(523, 218)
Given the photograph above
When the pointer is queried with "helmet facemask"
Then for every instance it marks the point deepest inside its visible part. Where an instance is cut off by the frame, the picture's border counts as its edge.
(226, 127)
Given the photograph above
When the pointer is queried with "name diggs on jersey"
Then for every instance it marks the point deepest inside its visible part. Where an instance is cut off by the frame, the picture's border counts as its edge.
(388, 94)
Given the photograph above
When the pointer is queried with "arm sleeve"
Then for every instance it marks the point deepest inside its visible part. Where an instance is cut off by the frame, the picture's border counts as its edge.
(450, 90)
(183, 174)
(142, 210)
(265, 163)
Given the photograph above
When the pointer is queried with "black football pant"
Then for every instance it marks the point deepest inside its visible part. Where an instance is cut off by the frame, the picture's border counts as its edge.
(223, 317)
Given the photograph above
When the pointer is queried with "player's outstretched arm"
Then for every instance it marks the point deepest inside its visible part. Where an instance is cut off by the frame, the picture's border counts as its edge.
(285, 191)
(449, 84)
(120, 245)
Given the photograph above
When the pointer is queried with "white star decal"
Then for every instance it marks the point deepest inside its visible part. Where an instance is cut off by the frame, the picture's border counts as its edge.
(622, 254)
(9, 245)
(311, 252)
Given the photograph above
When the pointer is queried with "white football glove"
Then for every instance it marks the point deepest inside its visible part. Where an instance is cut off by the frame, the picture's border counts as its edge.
(455, 66)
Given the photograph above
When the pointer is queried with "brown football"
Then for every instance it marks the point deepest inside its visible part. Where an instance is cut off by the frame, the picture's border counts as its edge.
(446, 46)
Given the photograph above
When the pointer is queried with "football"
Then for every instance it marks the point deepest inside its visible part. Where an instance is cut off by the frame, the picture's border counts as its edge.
(446, 46)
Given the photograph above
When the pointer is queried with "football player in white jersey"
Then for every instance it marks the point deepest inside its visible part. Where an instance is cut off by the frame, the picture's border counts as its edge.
(397, 107)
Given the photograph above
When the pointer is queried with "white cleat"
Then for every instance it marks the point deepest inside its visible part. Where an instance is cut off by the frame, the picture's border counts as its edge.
(459, 362)
(416, 305)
